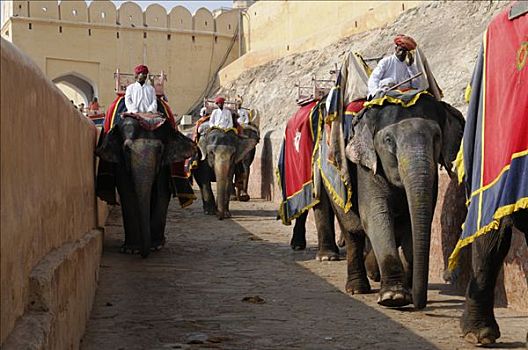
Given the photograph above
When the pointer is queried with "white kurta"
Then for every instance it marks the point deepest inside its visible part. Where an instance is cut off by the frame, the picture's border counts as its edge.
(221, 118)
(392, 69)
(243, 116)
(140, 98)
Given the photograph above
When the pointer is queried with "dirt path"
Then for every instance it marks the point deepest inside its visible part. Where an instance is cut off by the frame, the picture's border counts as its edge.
(191, 294)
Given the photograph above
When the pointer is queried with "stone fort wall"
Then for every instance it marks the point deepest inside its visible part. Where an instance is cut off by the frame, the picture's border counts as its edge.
(50, 222)
(91, 41)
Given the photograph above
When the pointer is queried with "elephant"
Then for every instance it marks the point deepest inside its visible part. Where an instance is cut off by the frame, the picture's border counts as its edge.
(392, 162)
(142, 156)
(242, 169)
(488, 252)
(220, 151)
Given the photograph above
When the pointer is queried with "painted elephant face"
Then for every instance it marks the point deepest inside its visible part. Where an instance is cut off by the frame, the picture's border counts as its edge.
(389, 136)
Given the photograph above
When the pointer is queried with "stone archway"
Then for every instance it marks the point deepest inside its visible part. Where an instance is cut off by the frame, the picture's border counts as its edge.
(76, 87)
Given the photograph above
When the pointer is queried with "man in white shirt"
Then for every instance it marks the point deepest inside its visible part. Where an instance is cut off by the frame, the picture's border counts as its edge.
(393, 69)
(221, 117)
(139, 96)
(243, 115)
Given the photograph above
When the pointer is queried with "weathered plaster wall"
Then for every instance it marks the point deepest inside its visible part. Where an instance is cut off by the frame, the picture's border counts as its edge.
(50, 237)
(274, 29)
(92, 41)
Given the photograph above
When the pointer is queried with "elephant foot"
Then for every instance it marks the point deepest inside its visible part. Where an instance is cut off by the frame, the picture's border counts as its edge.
(209, 211)
(483, 332)
(243, 196)
(129, 250)
(298, 244)
(394, 296)
(298, 247)
(358, 287)
(327, 255)
(483, 336)
(225, 215)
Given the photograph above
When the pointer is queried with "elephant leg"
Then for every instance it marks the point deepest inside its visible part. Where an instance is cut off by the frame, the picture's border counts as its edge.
(298, 240)
(371, 264)
(129, 210)
(159, 208)
(403, 232)
(478, 322)
(357, 281)
(324, 219)
(202, 177)
(378, 222)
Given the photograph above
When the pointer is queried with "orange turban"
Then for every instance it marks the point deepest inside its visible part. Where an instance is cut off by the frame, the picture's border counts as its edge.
(405, 41)
(141, 69)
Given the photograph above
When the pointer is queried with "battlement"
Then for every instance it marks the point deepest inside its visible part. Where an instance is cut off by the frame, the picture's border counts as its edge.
(128, 15)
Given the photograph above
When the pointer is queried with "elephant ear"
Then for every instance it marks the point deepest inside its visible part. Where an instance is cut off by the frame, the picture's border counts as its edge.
(109, 146)
(245, 145)
(178, 148)
(360, 149)
(452, 132)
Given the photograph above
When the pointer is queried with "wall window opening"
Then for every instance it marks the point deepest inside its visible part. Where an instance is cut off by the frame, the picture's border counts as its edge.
(103, 15)
(168, 36)
(30, 26)
(193, 39)
(229, 26)
(74, 12)
(206, 23)
(144, 35)
(117, 35)
(60, 29)
(89, 32)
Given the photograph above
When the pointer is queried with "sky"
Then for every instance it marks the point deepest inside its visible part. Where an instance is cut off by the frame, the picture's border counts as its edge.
(192, 6)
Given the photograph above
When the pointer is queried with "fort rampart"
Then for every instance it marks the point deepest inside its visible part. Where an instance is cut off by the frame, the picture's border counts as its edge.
(89, 42)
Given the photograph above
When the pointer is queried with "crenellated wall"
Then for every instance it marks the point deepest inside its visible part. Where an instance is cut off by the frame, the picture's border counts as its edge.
(51, 240)
(91, 41)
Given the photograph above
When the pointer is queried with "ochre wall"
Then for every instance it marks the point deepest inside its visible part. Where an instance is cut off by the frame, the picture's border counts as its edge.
(50, 241)
(274, 29)
(75, 38)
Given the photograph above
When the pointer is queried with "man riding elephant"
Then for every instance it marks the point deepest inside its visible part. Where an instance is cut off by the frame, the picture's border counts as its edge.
(221, 149)
(142, 153)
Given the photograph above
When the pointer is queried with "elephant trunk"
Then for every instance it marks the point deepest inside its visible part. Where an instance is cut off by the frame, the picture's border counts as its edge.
(224, 178)
(418, 179)
(145, 158)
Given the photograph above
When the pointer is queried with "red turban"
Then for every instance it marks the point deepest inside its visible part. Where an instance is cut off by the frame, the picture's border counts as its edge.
(219, 100)
(405, 41)
(141, 69)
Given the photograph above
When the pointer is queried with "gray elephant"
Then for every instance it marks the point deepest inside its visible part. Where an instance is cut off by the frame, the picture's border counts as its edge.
(142, 154)
(220, 151)
(478, 323)
(396, 152)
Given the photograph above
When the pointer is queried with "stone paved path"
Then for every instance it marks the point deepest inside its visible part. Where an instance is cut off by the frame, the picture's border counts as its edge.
(235, 284)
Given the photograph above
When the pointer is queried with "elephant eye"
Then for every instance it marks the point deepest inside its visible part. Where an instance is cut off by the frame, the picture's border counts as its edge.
(388, 141)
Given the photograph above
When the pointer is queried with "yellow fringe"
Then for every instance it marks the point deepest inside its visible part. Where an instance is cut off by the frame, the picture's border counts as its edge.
(459, 163)
(335, 196)
(393, 100)
(493, 225)
(467, 93)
